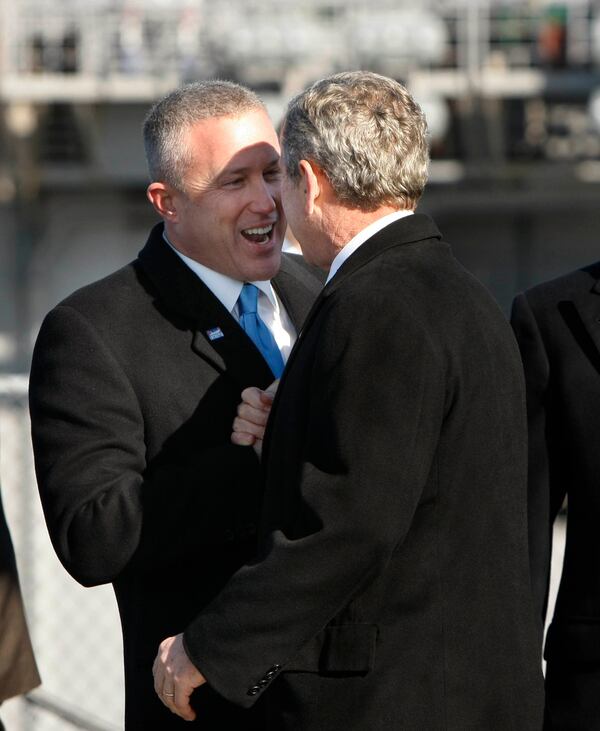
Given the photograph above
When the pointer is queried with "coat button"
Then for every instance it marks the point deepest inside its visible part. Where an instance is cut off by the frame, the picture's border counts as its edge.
(272, 672)
(263, 683)
(253, 690)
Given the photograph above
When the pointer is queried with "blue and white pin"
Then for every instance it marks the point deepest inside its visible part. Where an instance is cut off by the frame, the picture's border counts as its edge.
(215, 333)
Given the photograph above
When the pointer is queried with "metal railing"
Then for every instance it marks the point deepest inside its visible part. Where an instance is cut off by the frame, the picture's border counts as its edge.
(104, 49)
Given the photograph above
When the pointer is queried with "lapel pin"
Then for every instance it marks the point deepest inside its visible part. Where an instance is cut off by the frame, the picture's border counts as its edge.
(215, 333)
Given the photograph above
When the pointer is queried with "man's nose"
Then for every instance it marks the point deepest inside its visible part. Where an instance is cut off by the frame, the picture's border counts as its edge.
(263, 197)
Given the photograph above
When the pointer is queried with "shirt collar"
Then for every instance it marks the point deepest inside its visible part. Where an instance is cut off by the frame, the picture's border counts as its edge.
(362, 236)
(226, 289)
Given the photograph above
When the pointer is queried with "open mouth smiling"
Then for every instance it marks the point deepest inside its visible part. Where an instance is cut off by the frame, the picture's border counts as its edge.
(259, 234)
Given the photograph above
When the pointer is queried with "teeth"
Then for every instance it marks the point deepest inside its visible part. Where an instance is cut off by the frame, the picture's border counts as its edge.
(259, 231)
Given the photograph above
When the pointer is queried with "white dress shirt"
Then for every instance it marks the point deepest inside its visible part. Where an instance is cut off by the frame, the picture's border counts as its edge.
(227, 290)
(362, 236)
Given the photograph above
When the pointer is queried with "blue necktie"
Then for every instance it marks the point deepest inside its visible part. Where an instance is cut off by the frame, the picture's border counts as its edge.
(256, 329)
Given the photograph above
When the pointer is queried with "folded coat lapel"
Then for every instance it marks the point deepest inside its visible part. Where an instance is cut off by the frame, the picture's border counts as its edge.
(292, 284)
(187, 300)
(588, 308)
(232, 349)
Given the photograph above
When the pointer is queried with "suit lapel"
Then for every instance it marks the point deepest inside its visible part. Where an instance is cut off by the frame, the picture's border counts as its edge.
(588, 307)
(234, 349)
(292, 284)
(185, 299)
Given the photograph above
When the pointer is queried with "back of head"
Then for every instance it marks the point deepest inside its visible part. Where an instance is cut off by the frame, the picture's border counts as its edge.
(366, 133)
(167, 154)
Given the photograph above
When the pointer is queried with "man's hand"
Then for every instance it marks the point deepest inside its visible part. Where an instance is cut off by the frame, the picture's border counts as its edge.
(175, 677)
(253, 413)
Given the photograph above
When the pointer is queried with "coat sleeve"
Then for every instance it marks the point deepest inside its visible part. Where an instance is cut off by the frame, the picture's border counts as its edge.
(106, 510)
(545, 496)
(376, 402)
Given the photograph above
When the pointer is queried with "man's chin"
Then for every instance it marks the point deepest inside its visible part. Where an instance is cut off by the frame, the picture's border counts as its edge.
(312, 260)
(265, 269)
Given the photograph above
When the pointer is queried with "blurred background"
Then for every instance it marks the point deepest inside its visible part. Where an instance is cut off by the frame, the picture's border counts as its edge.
(512, 95)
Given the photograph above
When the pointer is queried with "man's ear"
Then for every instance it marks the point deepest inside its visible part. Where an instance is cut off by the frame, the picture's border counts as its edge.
(311, 184)
(162, 198)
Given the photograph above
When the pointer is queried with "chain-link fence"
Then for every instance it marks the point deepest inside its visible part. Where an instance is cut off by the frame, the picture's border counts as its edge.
(75, 631)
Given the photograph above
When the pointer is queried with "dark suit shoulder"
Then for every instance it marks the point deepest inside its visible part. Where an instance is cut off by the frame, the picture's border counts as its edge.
(424, 290)
(108, 293)
(425, 276)
(119, 310)
(563, 287)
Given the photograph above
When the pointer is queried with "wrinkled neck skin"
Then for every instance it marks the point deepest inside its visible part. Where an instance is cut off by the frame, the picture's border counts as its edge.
(342, 223)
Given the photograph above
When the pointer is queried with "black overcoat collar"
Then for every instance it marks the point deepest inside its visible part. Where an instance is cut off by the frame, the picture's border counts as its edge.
(185, 299)
(409, 229)
(406, 230)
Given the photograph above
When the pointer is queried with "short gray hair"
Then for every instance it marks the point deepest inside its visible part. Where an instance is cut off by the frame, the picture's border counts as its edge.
(367, 134)
(167, 155)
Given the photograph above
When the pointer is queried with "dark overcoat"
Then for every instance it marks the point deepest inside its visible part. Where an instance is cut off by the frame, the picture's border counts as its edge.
(392, 588)
(132, 407)
(558, 329)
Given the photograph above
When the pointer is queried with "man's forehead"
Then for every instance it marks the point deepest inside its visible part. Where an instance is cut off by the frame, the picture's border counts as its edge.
(262, 154)
(251, 123)
(226, 145)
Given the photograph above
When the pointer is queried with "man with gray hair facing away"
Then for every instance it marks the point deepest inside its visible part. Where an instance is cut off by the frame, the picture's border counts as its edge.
(136, 379)
(391, 589)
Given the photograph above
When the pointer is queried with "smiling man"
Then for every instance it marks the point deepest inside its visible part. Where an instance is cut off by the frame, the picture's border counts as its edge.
(136, 379)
